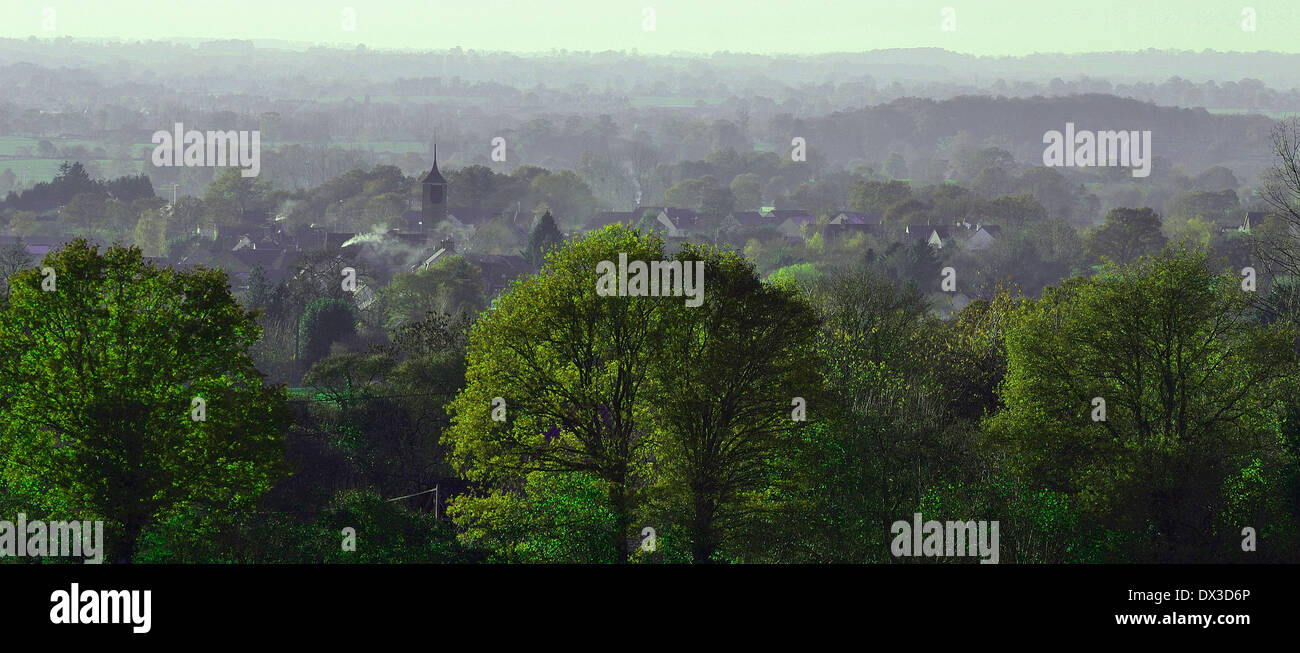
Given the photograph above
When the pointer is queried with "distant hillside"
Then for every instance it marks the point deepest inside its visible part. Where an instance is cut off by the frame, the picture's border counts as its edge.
(1192, 138)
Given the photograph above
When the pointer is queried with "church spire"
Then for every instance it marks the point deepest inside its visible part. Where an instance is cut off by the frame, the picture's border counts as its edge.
(434, 177)
(433, 195)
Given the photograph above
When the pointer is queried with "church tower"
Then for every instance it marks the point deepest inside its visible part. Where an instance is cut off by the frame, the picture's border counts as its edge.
(433, 196)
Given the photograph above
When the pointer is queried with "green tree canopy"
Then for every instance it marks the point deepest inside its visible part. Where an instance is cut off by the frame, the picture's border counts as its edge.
(1126, 235)
(571, 368)
(100, 372)
(1192, 386)
(724, 386)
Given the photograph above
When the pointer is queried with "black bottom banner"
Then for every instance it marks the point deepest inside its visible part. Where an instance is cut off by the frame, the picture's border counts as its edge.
(189, 604)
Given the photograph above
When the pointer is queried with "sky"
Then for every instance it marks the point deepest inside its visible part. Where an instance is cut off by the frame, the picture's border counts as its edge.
(979, 27)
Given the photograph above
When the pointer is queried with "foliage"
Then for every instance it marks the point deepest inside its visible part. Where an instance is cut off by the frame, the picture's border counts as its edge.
(1191, 385)
(324, 322)
(99, 375)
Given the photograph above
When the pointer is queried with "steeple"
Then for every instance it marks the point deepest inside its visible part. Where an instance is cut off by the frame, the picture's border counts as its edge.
(434, 176)
(433, 196)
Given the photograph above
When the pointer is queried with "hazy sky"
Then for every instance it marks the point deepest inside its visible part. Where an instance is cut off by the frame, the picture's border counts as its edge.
(983, 27)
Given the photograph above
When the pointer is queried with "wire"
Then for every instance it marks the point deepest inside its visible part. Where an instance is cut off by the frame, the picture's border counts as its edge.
(432, 489)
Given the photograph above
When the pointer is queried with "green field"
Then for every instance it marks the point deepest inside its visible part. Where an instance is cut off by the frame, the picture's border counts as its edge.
(389, 147)
(32, 170)
(36, 170)
(10, 145)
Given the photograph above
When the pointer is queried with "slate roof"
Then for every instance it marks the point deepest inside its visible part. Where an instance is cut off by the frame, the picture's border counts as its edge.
(751, 219)
(858, 217)
(783, 214)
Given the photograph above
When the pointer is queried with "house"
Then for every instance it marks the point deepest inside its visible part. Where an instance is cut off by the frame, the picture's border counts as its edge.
(781, 215)
(752, 220)
(672, 222)
(935, 235)
(1251, 220)
(497, 270)
(39, 246)
(792, 227)
(677, 223)
(857, 217)
(446, 247)
(745, 221)
(983, 237)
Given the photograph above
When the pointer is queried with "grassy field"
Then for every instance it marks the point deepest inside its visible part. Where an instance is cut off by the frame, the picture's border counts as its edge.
(390, 147)
(9, 145)
(33, 170)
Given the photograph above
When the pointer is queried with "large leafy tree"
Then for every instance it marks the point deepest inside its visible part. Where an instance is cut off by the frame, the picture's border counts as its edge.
(724, 387)
(237, 193)
(879, 439)
(83, 214)
(877, 195)
(452, 285)
(1126, 235)
(1192, 385)
(572, 368)
(98, 373)
(564, 192)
